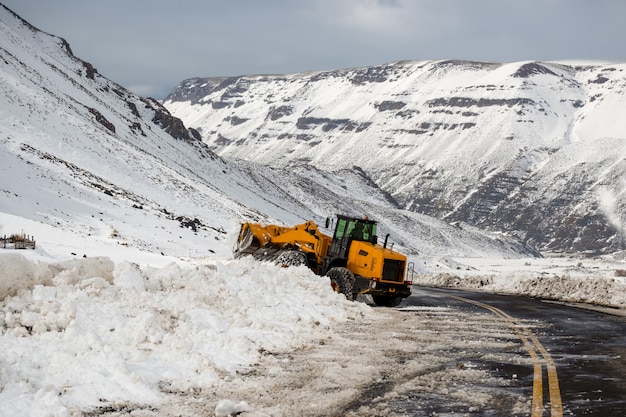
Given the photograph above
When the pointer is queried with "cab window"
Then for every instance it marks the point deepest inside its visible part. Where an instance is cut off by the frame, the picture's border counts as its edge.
(341, 228)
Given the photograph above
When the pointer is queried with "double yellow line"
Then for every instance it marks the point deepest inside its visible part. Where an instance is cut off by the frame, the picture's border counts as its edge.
(532, 345)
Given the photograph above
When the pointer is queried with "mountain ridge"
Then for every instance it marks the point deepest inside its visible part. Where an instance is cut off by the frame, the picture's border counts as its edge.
(84, 156)
(530, 148)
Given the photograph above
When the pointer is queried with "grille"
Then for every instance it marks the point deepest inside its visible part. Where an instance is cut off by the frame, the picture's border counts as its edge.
(393, 270)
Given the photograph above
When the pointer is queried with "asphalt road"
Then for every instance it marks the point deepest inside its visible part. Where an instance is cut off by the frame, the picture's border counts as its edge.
(579, 355)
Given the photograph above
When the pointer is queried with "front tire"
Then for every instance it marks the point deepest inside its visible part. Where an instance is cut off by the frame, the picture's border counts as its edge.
(342, 281)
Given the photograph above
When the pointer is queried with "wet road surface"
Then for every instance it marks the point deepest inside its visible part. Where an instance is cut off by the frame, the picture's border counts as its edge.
(588, 349)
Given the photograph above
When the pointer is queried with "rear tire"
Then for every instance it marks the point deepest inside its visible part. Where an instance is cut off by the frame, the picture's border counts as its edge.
(387, 300)
(342, 281)
(291, 258)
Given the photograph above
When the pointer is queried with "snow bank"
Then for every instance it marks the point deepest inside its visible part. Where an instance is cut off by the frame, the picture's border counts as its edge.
(593, 288)
(17, 273)
(89, 334)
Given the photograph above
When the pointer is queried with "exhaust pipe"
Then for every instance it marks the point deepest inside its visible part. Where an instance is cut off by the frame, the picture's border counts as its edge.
(385, 244)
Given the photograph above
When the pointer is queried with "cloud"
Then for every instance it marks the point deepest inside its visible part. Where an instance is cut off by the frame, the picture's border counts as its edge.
(156, 42)
(378, 15)
(364, 16)
(145, 90)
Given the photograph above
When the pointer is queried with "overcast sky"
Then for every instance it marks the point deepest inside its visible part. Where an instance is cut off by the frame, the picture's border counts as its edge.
(149, 46)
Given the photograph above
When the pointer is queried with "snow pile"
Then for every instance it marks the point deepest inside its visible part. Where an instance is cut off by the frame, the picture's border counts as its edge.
(18, 273)
(227, 408)
(600, 281)
(97, 335)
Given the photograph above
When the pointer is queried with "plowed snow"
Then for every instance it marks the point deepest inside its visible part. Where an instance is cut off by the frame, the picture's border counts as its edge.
(383, 365)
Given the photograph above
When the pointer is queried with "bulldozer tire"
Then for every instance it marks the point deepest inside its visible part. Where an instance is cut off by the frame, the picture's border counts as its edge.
(291, 258)
(387, 300)
(342, 281)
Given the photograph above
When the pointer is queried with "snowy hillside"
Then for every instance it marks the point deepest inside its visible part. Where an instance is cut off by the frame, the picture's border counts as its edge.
(84, 154)
(131, 302)
(529, 147)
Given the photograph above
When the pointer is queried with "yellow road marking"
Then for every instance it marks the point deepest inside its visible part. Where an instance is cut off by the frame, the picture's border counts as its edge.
(556, 406)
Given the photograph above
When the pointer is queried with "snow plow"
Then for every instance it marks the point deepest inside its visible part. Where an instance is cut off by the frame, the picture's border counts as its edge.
(351, 258)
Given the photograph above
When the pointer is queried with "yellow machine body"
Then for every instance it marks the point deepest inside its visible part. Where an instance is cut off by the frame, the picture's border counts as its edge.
(352, 255)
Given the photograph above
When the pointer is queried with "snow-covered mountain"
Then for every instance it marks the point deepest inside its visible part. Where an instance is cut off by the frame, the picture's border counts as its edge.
(84, 154)
(131, 302)
(532, 148)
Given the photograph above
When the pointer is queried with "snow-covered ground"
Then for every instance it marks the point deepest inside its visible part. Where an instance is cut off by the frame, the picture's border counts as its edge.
(125, 328)
(125, 307)
(90, 332)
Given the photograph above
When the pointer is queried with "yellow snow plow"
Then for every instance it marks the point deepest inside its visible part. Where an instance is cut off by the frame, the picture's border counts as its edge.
(352, 258)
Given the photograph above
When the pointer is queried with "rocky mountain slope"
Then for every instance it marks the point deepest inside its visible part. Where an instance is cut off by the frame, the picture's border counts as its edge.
(83, 155)
(531, 148)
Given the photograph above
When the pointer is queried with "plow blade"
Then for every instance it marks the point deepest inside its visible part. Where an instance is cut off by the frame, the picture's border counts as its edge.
(253, 240)
(245, 242)
(268, 242)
